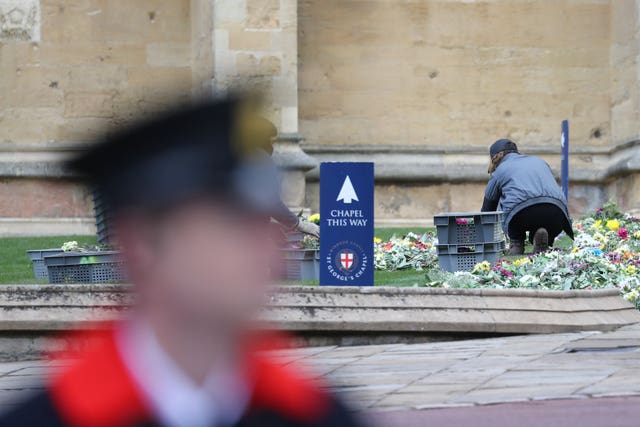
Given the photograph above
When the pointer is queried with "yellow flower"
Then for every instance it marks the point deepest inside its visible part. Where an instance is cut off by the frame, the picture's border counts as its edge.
(315, 218)
(597, 224)
(636, 234)
(574, 250)
(377, 240)
(631, 269)
(482, 266)
(521, 261)
(613, 224)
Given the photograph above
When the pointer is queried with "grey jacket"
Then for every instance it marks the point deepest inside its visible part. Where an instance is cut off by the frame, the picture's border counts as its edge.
(519, 182)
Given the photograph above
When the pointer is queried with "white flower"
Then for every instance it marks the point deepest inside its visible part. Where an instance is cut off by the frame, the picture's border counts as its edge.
(528, 279)
(623, 249)
(584, 240)
(70, 246)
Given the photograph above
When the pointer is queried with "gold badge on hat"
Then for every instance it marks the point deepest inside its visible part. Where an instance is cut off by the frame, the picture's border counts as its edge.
(252, 131)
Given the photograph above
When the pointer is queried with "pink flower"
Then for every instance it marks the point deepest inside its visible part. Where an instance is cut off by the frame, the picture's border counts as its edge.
(461, 221)
(500, 269)
(623, 233)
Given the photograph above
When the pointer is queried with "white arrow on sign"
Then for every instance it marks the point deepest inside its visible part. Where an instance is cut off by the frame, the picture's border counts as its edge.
(347, 192)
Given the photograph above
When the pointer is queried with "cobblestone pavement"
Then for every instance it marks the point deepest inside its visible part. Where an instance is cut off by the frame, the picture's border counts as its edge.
(449, 374)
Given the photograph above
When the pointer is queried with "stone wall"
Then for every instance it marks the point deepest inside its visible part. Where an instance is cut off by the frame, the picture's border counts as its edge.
(420, 87)
(255, 45)
(71, 69)
(94, 64)
(625, 70)
(423, 87)
(442, 73)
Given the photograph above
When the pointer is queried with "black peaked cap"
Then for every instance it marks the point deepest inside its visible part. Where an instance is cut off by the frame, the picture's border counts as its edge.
(502, 145)
(193, 151)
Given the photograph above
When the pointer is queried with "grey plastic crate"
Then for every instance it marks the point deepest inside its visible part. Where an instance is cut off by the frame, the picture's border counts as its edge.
(85, 267)
(102, 213)
(37, 259)
(295, 236)
(471, 248)
(459, 228)
(466, 261)
(298, 254)
(301, 264)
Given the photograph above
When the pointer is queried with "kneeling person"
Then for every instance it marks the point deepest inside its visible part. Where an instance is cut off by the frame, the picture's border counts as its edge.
(523, 187)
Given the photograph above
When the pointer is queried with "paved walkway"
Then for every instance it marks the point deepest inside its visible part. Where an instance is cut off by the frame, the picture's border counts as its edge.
(405, 378)
(600, 412)
(479, 372)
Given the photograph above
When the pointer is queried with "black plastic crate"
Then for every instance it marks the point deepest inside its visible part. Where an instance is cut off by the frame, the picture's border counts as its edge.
(85, 267)
(37, 259)
(460, 228)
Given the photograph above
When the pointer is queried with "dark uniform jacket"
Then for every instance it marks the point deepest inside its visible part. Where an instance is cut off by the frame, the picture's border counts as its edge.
(98, 391)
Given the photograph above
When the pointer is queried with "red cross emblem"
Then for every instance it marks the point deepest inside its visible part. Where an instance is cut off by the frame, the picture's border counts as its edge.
(346, 259)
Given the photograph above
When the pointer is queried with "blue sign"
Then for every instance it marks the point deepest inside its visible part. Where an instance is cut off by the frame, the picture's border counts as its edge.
(564, 168)
(346, 224)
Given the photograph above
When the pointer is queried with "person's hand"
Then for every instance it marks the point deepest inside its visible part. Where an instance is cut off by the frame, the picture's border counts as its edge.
(308, 228)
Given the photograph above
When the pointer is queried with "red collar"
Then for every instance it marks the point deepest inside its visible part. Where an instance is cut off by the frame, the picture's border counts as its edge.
(98, 391)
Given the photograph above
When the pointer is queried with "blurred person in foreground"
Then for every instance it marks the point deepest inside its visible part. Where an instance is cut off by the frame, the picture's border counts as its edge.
(525, 189)
(191, 201)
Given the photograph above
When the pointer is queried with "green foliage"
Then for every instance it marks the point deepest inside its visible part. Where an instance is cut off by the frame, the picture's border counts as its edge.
(385, 233)
(608, 211)
(15, 265)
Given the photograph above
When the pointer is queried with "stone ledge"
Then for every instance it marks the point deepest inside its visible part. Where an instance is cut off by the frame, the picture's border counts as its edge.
(21, 227)
(32, 315)
(458, 164)
(390, 309)
(455, 164)
(339, 309)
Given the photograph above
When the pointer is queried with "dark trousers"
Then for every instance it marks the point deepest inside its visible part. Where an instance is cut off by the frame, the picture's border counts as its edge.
(543, 215)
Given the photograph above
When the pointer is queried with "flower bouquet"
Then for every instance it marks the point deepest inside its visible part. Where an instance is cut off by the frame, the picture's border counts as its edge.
(413, 251)
(606, 254)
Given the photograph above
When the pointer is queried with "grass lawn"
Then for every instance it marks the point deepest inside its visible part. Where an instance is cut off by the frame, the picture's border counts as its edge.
(386, 233)
(389, 278)
(15, 265)
(413, 277)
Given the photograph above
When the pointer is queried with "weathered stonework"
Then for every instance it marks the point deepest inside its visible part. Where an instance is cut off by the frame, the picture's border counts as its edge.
(420, 87)
(440, 73)
(20, 20)
(255, 45)
(332, 314)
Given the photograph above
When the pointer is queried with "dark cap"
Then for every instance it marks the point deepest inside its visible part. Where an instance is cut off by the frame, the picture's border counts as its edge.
(211, 149)
(502, 145)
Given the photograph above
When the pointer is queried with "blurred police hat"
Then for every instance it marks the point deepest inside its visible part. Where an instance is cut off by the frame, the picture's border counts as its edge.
(211, 149)
(502, 145)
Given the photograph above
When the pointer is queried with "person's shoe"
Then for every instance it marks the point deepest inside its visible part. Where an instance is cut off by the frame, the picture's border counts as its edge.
(540, 241)
(516, 247)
